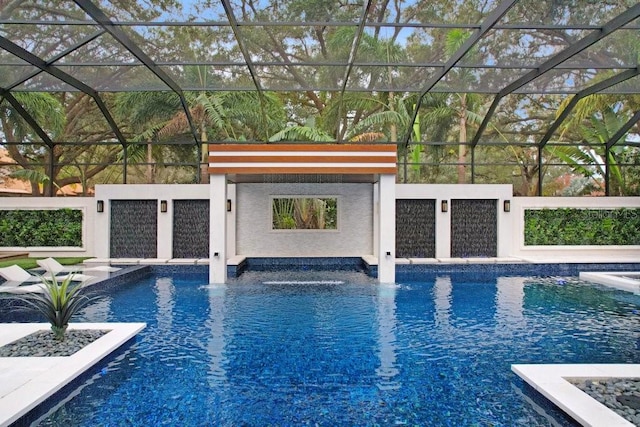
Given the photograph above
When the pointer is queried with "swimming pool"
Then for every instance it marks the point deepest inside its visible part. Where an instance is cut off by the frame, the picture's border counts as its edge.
(339, 349)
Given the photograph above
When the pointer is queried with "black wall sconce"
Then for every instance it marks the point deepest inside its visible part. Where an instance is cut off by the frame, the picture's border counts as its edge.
(228, 205)
(100, 206)
(163, 206)
(506, 205)
(444, 206)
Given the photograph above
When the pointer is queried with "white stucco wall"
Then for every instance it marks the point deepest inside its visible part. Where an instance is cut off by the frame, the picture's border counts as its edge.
(86, 204)
(561, 253)
(249, 227)
(167, 192)
(447, 192)
(256, 238)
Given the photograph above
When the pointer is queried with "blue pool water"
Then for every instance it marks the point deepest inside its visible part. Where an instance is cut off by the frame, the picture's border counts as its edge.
(264, 350)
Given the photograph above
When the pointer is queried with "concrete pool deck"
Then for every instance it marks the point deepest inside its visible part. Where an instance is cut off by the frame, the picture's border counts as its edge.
(26, 382)
(618, 259)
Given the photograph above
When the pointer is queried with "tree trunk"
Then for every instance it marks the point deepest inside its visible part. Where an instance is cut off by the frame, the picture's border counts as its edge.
(393, 128)
(204, 163)
(462, 148)
(150, 174)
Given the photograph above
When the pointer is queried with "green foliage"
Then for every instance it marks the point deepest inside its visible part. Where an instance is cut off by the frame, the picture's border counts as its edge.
(571, 226)
(48, 228)
(58, 303)
(301, 213)
(301, 133)
(45, 108)
(589, 158)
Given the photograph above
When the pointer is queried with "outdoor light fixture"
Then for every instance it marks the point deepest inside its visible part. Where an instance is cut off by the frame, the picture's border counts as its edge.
(100, 206)
(163, 206)
(506, 205)
(228, 205)
(444, 206)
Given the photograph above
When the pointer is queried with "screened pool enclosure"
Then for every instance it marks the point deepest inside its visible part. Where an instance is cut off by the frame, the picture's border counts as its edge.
(542, 95)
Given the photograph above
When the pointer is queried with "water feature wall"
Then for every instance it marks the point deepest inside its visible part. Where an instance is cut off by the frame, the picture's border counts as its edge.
(468, 220)
(191, 229)
(124, 229)
(415, 228)
(134, 229)
(474, 228)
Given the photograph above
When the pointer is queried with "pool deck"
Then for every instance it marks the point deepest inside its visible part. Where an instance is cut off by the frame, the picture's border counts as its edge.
(552, 382)
(25, 382)
(617, 259)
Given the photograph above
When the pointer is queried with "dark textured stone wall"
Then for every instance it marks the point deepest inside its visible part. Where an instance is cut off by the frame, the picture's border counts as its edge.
(191, 228)
(134, 229)
(474, 228)
(415, 228)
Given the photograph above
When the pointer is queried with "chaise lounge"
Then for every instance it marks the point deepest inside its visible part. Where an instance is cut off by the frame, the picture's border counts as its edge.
(15, 273)
(52, 266)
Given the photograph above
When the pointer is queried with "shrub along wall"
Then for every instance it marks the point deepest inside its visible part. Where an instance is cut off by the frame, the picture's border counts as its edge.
(574, 226)
(41, 228)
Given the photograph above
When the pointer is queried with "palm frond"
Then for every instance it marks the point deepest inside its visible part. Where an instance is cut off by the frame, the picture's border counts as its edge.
(32, 175)
(177, 125)
(368, 137)
(301, 133)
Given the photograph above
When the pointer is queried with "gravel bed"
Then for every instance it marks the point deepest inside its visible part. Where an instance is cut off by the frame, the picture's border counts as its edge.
(44, 344)
(620, 395)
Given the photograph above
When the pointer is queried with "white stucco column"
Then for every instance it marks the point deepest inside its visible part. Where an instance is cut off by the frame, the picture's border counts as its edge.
(443, 229)
(165, 230)
(387, 228)
(218, 228)
(102, 228)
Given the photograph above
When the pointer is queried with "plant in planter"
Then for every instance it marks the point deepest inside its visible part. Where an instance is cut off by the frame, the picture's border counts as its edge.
(58, 303)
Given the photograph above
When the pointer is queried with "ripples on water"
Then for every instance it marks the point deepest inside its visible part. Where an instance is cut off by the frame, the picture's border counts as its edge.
(339, 349)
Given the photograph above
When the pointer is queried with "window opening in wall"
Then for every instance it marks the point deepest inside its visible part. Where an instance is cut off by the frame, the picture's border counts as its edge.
(304, 213)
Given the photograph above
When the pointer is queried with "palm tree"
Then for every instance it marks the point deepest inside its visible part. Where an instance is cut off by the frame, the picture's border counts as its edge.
(222, 116)
(592, 158)
(306, 132)
(146, 113)
(463, 105)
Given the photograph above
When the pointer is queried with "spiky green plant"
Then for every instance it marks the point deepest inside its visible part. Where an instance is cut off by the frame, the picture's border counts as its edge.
(58, 303)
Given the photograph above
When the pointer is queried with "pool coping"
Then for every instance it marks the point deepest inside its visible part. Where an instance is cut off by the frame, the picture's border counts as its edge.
(551, 380)
(26, 382)
(613, 279)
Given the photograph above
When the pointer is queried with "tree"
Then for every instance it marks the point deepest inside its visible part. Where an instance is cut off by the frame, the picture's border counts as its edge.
(146, 113)
(591, 158)
(47, 111)
(217, 116)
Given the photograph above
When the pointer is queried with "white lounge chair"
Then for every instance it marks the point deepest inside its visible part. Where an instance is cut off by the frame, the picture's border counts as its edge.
(19, 276)
(15, 273)
(51, 265)
(18, 288)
